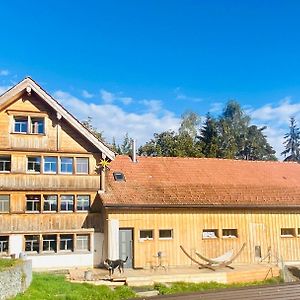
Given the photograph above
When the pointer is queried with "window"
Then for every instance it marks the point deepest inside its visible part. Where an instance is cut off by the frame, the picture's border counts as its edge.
(34, 164)
(67, 203)
(66, 242)
(166, 234)
(20, 124)
(37, 125)
(82, 242)
(33, 202)
(49, 243)
(5, 163)
(146, 234)
(82, 165)
(50, 202)
(288, 232)
(4, 203)
(83, 202)
(229, 233)
(66, 165)
(32, 243)
(50, 164)
(118, 176)
(3, 244)
(210, 233)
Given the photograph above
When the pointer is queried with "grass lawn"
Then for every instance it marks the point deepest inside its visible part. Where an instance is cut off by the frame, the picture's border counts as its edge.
(52, 286)
(184, 287)
(6, 263)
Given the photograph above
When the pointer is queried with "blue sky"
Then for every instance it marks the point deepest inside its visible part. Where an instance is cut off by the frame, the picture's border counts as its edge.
(136, 66)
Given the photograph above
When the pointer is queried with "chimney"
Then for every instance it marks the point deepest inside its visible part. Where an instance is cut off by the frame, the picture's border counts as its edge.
(133, 154)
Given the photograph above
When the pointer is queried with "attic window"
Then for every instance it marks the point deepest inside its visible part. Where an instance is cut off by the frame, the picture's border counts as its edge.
(119, 176)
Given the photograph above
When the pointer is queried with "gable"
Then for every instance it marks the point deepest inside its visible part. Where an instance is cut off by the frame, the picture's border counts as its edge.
(30, 98)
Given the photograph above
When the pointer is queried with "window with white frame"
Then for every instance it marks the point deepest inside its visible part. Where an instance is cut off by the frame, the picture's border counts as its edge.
(5, 163)
(32, 243)
(66, 165)
(4, 203)
(50, 164)
(66, 242)
(165, 234)
(82, 242)
(82, 165)
(34, 164)
(229, 233)
(83, 202)
(50, 202)
(67, 203)
(4, 242)
(287, 232)
(33, 203)
(37, 125)
(21, 124)
(49, 243)
(210, 233)
(146, 234)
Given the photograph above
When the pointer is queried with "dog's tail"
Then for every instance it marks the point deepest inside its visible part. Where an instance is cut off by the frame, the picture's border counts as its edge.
(124, 261)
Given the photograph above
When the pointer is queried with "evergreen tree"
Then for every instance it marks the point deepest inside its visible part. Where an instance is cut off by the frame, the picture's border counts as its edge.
(256, 146)
(292, 142)
(209, 137)
(125, 147)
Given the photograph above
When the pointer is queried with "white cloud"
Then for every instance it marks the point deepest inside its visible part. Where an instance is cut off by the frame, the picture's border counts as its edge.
(4, 72)
(116, 122)
(152, 105)
(216, 107)
(106, 96)
(86, 94)
(182, 96)
(109, 97)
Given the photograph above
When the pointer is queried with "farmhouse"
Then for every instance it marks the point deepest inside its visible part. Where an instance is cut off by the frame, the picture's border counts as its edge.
(62, 208)
(210, 205)
(50, 182)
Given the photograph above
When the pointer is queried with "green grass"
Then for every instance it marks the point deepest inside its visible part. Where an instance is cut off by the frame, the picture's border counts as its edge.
(184, 287)
(7, 263)
(50, 286)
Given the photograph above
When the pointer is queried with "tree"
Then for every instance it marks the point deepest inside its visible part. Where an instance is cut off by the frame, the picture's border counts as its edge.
(233, 128)
(292, 142)
(256, 146)
(209, 139)
(125, 147)
(170, 143)
(189, 124)
(88, 124)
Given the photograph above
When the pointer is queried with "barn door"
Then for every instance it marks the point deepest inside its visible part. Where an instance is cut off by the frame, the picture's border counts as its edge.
(126, 245)
(258, 241)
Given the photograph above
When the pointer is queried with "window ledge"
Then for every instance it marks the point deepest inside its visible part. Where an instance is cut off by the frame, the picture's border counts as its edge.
(32, 212)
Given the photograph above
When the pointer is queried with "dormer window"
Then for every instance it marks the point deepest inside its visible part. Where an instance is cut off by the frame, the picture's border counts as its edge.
(119, 176)
(27, 124)
(37, 125)
(21, 125)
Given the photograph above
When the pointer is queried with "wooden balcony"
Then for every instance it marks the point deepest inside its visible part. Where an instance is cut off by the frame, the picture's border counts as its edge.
(41, 182)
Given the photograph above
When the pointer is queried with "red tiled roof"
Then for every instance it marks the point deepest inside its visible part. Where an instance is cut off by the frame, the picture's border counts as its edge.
(201, 182)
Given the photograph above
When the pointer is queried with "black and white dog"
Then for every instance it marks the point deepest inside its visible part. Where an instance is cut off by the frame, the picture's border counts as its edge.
(111, 265)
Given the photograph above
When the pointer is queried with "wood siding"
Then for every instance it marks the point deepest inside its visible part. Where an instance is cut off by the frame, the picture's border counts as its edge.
(59, 139)
(256, 228)
(38, 182)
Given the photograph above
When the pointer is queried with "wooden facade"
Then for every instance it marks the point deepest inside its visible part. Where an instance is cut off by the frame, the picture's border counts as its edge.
(259, 229)
(71, 177)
